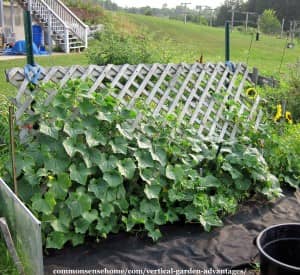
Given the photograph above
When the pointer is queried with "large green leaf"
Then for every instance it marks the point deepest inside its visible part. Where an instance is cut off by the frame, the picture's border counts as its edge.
(70, 146)
(106, 209)
(149, 207)
(242, 184)
(99, 187)
(81, 225)
(105, 116)
(209, 219)
(59, 187)
(104, 161)
(86, 155)
(86, 107)
(119, 145)
(159, 154)
(95, 138)
(126, 168)
(57, 240)
(152, 191)
(210, 181)
(44, 205)
(78, 203)
(59, 226)
(79, 173)
(48, 130)
(175, 173)
(144, 159)
(126, 130)
(143, 142)
(73, 128)
(235, 174)
(56, 164)
(113, 178)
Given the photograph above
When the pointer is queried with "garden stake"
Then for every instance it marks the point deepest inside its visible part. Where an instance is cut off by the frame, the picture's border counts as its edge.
(12, 148)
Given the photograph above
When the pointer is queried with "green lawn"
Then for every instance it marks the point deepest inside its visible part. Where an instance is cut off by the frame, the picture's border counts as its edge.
(45, 61)
(191, 40)
(186, 43)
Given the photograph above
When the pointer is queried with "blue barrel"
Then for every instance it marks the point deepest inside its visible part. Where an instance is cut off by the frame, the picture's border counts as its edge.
(37, 35)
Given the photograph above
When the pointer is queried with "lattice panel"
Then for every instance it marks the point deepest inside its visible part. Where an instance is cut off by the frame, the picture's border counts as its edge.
(199, 93)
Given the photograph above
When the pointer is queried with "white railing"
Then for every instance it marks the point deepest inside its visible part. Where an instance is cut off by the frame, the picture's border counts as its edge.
(56, 25)
(74, 23)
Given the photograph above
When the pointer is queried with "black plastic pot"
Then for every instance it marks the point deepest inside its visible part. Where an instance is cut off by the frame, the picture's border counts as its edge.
(279, 248)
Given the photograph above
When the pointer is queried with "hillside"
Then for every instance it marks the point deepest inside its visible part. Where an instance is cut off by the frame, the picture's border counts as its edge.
(190, 40)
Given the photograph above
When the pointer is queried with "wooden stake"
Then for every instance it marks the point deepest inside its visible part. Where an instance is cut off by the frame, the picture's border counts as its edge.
(10, 246)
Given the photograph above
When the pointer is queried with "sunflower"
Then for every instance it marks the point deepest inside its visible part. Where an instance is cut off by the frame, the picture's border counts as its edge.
(288, 117)
(251, 93)
(278, 115)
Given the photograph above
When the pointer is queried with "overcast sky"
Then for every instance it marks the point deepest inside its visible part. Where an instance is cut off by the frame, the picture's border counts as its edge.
(171, 3)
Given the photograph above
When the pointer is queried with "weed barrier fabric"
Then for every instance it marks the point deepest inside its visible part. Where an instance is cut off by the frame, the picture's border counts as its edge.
(183, 246)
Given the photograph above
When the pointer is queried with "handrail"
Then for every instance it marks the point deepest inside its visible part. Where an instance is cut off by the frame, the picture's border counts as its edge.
(47, 14)
(74, 23)
(72, 13)
(49, 9)
(60, 19)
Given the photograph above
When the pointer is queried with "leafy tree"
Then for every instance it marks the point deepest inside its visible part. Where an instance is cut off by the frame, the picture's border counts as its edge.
(269, 22)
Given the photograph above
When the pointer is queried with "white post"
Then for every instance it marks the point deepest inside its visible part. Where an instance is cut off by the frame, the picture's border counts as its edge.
(67, 43)
(87, 29)
(1, 14)
(12, 16)
(282, 27)
(50, 32)
(247, 19)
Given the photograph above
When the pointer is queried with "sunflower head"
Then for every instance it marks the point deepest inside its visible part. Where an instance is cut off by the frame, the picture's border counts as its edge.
(251, 93)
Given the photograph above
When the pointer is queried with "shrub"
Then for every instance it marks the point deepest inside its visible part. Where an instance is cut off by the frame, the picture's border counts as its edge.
(282, 152)
(119, 48)
(87, 172)
(269, 22)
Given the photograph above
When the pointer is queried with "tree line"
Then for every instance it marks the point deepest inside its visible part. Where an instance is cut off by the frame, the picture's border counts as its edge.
(287, 9)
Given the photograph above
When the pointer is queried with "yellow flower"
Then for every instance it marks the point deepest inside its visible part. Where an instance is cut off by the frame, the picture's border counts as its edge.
(251, 93)
(288, 117)
(278, 115)
(50, 177)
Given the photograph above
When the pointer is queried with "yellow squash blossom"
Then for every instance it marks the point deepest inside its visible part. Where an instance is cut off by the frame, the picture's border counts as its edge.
(288, 117)
(278, 115)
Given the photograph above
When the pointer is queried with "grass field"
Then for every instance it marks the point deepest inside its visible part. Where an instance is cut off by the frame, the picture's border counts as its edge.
(191, 40)
(186, 43)
(45, 61)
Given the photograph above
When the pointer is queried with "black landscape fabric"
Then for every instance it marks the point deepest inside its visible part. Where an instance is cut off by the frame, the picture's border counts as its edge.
(183, 246)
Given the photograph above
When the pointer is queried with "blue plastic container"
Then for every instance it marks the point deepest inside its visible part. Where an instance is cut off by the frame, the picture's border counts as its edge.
(37, 35)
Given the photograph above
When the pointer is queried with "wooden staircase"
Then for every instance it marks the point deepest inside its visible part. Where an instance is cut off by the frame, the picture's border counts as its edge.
(64, 27)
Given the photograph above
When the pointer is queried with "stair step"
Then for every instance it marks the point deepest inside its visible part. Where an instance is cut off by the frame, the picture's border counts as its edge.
(41, 15)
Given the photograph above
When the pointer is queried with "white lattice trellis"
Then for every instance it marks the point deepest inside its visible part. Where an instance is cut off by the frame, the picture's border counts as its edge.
(198, 92)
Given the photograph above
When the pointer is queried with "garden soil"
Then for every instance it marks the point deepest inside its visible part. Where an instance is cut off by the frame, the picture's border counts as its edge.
(183, 246)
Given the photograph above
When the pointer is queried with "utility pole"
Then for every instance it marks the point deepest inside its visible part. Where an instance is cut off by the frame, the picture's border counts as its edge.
(247, 18)
(185, 10)
(211, 16)
(282, 27)
(232, 16)
(206, 8)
